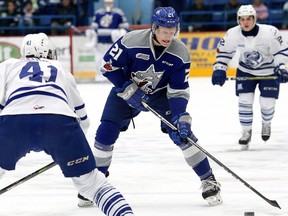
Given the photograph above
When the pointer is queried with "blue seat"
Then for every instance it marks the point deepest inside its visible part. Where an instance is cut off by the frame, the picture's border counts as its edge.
(218, 16)
(276, 17)
(276, 14)
(244, 2)
(45, 20)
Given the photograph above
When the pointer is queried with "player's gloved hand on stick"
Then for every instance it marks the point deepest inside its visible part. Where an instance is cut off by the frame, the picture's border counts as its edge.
(133, 95)
(282, 73)
(219, 74)
(183, 123)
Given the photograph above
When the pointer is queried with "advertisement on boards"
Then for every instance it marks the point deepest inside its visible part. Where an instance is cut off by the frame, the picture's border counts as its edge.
(201, 45)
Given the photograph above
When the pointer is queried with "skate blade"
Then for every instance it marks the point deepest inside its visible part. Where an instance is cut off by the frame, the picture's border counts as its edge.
(214, 200)
(84, 203)
(244, 147)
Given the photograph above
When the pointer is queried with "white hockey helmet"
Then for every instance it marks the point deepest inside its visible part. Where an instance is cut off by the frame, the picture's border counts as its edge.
(246, 10)
(26, 41)
(39, 46)
(108, 5)
(47, 46)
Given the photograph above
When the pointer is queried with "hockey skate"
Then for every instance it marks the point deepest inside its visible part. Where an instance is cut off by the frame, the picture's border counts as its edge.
(266, 131)
(83, 202)
(245, 139)
(211, 191)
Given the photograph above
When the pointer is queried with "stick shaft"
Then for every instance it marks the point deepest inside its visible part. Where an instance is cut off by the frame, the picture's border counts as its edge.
(253, 78)
(28, 177)
(271, 202)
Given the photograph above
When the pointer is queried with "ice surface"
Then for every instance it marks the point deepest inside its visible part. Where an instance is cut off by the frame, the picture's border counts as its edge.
(151, 172)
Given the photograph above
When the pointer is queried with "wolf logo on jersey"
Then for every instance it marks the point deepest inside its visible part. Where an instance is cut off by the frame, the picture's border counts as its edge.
(253, 59)
(106, 20)
(147, 79)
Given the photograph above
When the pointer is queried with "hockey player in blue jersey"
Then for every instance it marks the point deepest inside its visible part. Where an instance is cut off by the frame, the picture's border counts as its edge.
(152, 64)
(39, 102)
(108, 24)
(263, 52)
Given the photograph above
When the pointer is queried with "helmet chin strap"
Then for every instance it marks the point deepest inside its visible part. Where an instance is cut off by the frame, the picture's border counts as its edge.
(155, 38)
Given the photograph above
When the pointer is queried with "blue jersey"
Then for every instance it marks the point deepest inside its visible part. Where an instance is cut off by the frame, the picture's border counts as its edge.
(105, 22)
(134, 57)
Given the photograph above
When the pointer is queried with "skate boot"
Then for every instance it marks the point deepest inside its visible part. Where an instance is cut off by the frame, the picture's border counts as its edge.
(83, 202)
(245, 139)
(266, 131)
(211, 191)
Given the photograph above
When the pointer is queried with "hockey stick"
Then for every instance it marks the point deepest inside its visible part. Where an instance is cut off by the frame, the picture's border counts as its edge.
(271, 202)
(76, 29)
(252, 78)
(28, 177)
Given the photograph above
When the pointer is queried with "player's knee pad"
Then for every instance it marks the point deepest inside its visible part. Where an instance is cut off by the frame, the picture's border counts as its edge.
(246, 98)
(267, 103)
(89, 184)
(107, 133)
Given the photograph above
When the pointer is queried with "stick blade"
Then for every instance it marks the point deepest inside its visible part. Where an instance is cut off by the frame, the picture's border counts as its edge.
(274, 203)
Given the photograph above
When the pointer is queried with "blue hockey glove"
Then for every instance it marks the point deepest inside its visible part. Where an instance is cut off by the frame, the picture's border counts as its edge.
(133, 95)
(282, 73)
(219, 74)
(183, 123)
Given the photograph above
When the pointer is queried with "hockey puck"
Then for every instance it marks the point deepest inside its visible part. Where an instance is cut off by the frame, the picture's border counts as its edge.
(249, 214)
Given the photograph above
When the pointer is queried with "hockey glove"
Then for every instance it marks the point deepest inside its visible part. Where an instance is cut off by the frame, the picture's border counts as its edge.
(133, 95)
(282, 73)
(183, 123)
(219, 74)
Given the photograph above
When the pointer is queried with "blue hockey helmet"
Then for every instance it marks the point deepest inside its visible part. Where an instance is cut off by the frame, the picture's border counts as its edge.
(165, 17)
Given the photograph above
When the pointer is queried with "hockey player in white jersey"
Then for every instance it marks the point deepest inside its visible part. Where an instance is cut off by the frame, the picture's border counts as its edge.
(39, 102)
(263, 52)
(152, 63)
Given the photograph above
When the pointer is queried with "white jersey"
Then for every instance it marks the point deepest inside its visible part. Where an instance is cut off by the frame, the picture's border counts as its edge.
(39, 86)
(258, 54)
